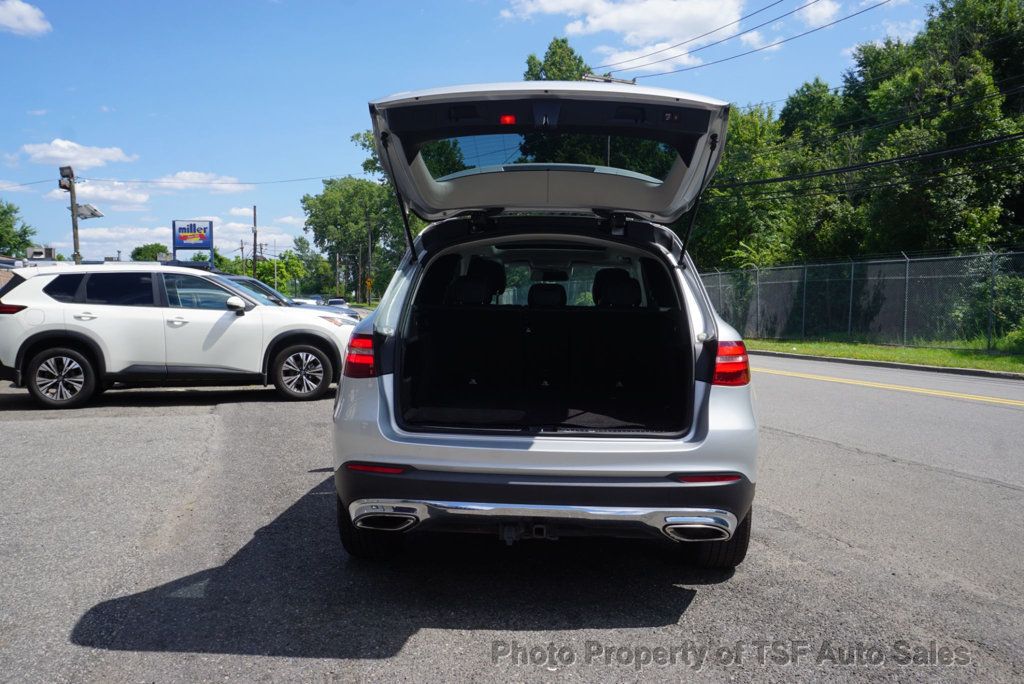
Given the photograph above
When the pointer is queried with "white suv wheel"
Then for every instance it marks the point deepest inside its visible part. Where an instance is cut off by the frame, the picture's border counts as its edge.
(302, 372)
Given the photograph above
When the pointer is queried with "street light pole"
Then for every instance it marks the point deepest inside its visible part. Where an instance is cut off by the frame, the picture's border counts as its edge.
(254, 241)
(67, 182)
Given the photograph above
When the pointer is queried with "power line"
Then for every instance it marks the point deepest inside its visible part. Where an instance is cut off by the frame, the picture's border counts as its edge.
(164, 181)
(999, 163)
(884, 77)
(22, 185)
(770, 45)
(718, 42)
(938, 108)
(874, 164)
(690, 40)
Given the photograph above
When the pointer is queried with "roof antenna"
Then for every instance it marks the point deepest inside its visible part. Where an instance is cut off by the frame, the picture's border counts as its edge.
(712, 143)
(607, 78)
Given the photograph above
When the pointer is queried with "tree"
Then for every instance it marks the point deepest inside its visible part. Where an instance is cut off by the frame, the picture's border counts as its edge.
(356, 223)
(150, 252)
(811, 110)
(561, 63)
(15, 234)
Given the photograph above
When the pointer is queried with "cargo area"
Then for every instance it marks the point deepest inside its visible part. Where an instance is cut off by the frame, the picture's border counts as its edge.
(549, 337)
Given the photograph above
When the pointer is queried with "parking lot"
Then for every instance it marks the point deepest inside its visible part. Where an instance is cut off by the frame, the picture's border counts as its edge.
(189, 535)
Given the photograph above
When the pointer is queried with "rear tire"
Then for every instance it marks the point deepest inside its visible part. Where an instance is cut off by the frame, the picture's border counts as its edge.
(60, 378)
(721, 555)
(302, 372)
(366, 544)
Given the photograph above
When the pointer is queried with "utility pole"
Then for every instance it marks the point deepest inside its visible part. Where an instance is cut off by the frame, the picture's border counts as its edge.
(337, 270)
(275, 263)
(369, 251)
(254, 241)
(67, 182)
(241, 250)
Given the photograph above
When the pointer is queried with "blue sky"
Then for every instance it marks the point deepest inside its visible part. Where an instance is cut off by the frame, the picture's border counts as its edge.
(213, 98)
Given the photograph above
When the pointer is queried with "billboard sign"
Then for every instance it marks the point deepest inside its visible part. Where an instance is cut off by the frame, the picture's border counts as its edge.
(192, 234)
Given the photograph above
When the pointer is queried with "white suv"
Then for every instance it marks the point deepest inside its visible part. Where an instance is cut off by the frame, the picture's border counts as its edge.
(69, 332)
(545, 361)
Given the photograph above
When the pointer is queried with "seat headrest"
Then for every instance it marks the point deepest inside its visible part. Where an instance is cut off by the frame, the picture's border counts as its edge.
(546, 294)
(492, 272)
(622, 294)
(603, 280)
(468, 290)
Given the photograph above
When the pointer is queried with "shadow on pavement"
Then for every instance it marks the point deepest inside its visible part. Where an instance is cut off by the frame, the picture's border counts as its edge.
(292, 591)
(21, 400)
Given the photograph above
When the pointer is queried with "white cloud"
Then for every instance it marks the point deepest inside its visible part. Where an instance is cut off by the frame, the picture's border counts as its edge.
(227, 236)
(644, 25)
(240, 211)
(202, 180)
(819, 13)
(291, 220)
(22, 18)
(36, 112)
(106, 109)
(122, 196)
(626, 59)
(59, 151)
(902, 30)
(98, 242)
(757, 40)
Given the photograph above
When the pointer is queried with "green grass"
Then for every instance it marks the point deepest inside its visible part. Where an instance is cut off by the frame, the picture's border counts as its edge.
(954, 358)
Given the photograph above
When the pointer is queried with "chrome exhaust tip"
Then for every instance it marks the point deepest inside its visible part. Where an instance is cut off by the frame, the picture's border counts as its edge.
(713, 526)
(386, 522)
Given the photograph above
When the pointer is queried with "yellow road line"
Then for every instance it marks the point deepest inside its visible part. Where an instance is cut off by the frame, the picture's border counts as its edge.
(896, 388)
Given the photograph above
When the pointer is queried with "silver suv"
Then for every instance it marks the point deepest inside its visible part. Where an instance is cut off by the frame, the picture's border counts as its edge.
(546, 362)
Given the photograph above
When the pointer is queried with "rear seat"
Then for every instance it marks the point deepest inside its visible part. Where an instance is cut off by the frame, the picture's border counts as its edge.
(547, 352)
(546, 342)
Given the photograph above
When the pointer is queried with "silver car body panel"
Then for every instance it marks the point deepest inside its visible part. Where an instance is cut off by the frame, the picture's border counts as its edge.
(722, 435)
(552, 187)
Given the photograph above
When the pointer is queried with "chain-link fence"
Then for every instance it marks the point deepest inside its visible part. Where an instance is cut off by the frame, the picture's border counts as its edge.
(974, 301)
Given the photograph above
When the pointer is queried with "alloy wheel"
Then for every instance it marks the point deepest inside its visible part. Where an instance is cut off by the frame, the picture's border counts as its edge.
(302, 372)
(60, 378)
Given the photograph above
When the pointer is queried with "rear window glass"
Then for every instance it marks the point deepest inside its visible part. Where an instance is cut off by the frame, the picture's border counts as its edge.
(63, 287)
(14, 282)
(509, 151)
(577, 281)
(120, 289)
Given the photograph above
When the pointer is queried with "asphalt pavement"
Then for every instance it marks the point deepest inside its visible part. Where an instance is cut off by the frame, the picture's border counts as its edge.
(187, 535)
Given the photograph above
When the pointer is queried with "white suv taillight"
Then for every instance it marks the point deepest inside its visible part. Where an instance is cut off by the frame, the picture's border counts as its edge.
(731, 364)
(10, 308)
(359, 362)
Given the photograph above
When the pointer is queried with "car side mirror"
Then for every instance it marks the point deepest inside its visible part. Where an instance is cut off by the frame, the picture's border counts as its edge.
(236, 304)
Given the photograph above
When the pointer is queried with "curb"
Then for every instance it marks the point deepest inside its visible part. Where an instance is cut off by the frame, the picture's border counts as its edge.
(1005, 375)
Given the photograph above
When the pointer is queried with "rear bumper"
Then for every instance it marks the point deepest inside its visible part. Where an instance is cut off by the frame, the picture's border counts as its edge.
(562, 506)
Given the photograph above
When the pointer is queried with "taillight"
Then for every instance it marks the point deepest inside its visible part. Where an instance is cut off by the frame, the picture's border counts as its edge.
(369, 468)
(359, 362)
(709, 479)
(731, 364)
(11, 308)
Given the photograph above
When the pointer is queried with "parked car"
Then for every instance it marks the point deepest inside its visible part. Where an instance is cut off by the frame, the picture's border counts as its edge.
(545, 361)
(336, 301)
(69, 332)
(260, 289)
